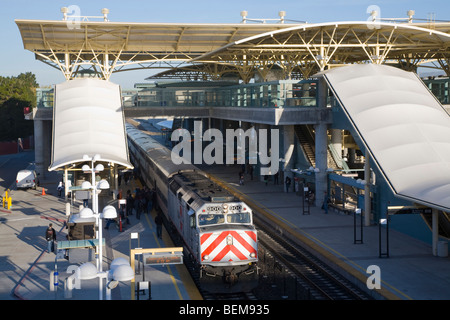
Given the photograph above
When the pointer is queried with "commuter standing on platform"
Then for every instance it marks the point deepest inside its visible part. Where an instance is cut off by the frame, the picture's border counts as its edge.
(250, 171)
(50, 236)
(60, 188)
(130, 203)
(275, 178)
(288, 183)
(159, 221)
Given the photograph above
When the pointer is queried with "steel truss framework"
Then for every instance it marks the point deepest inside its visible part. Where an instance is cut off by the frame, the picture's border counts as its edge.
(209, 51)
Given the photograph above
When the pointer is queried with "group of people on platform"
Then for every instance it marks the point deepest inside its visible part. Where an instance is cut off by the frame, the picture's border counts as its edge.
(141, 200)
(287, 181)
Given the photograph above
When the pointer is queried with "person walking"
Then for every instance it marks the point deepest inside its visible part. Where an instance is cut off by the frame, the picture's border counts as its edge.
(60, 188)
(288, 183)
(130, 203)
(275, 178)
(241, 178)
(250, 171)
(159, 222)
(50, 236)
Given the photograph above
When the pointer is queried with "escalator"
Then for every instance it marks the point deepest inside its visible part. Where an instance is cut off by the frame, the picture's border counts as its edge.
(305, 136)
(306, 139)
(443, 223)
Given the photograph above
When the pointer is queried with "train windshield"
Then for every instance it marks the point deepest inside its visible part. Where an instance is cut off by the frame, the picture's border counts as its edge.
(208, 219)
(242, 217)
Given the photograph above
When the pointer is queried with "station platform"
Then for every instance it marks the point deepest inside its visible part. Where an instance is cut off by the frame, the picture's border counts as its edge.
(26, 266)
(408, 272)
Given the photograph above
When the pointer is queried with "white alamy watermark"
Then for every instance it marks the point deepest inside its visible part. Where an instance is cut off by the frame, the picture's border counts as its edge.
(72, 16)
(374, 280)
(375, 17)
(236, 148)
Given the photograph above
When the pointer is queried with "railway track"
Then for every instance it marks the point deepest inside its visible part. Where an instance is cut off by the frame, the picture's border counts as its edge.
(229, 296)
(314, 277)
(319, 280)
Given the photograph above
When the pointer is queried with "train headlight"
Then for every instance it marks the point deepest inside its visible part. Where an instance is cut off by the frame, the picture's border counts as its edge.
(205, 257)
(229, 240)
(252, 255)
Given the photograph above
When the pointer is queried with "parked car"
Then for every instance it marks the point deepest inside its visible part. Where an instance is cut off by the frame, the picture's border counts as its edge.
(26, 179)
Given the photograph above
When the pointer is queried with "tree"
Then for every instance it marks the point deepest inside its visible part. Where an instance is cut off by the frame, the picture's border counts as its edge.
(16, 93)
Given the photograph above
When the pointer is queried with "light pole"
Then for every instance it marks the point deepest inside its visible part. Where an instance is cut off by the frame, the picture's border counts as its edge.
(109, 212)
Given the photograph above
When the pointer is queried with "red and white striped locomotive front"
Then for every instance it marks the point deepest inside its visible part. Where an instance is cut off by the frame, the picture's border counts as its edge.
(228, 247)
(227, 235)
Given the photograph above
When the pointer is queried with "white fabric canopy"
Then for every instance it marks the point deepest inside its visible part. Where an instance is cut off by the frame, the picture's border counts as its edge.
(87, 120)
(404, 127)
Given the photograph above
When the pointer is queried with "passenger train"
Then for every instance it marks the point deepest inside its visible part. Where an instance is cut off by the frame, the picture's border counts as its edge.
(217, 229)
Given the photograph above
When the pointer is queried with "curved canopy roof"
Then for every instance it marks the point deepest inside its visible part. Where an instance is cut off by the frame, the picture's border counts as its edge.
(403, 126)
(113, 46)
(88, 120)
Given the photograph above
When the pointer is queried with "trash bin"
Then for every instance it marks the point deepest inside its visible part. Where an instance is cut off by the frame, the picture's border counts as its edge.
(442, 249)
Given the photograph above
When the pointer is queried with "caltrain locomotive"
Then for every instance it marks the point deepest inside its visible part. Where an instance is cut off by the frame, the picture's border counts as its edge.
(217, 229)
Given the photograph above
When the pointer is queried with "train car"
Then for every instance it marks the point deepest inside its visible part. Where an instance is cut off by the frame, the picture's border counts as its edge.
(217, 229)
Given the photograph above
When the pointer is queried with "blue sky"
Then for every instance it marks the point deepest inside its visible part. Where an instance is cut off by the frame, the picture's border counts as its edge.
(14, 59)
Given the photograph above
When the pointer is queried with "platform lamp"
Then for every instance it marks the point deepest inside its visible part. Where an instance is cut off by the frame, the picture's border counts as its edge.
(120, 270)
(373, 15)
(244, 16)
(105, 12)
(109, 212)
(64, 11)
(282, 14)
(410, 14)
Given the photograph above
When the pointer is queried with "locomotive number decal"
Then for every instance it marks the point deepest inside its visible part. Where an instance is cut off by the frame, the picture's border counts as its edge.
(225, 208)
(237, 207)
(228, 246)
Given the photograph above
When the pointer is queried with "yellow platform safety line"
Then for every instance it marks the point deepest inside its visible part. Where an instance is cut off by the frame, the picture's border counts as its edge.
(133, 252)
(191, 288)
(287, 225)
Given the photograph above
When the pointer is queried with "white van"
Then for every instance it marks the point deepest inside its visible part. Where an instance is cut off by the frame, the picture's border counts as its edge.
(26, 179)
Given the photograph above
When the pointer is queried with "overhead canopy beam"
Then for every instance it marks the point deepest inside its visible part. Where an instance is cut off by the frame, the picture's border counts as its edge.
(108, 47)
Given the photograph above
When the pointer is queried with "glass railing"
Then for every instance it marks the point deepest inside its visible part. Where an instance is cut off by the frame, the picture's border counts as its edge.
(439, 87)
(275, 94)
(44, 97)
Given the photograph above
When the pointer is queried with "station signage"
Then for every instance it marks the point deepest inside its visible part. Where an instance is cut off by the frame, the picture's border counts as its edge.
(162, 257)
(408, 210)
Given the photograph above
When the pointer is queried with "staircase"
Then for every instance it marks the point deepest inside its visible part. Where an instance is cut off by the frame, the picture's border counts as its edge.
(443, 223)
(306, 140)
